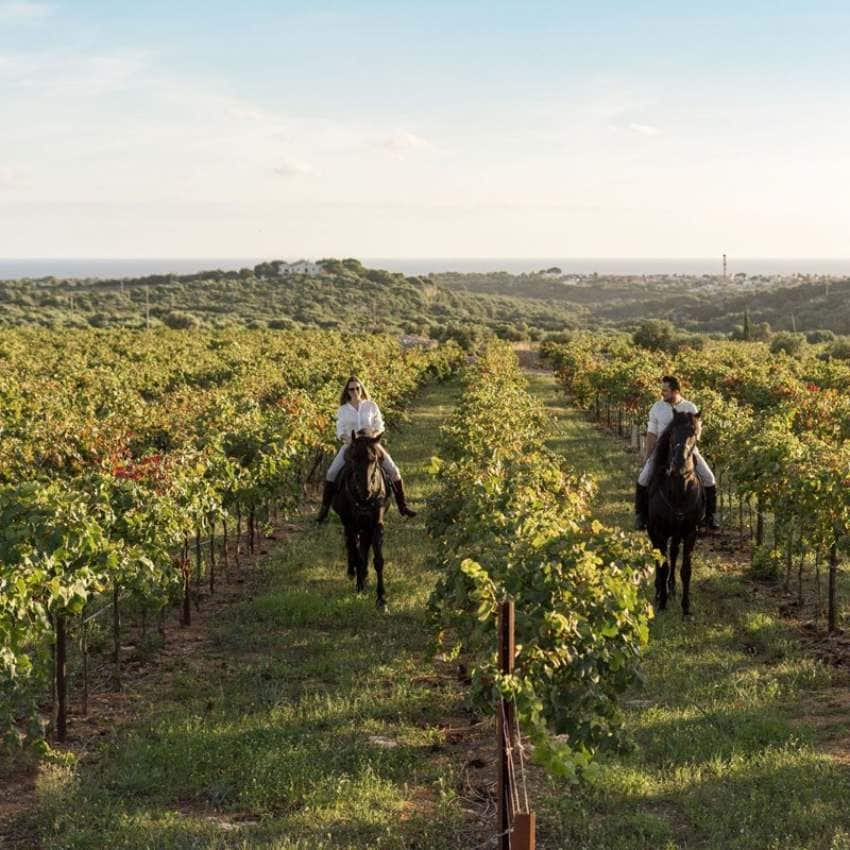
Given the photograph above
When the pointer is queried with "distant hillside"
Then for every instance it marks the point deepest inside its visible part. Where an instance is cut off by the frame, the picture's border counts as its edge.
(697, 303)
(462, 306)
(348, 297)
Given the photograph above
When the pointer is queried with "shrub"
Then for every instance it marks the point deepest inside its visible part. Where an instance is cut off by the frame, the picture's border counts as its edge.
(791, 343)
(766, 564)
(654, 334)
(840, 349)
(178, 320)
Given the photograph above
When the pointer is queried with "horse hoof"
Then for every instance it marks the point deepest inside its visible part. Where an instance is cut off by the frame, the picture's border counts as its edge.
(660, 604)
(381, 605)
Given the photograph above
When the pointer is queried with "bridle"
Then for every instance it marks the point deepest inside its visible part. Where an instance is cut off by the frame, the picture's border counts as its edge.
(681, 445)
(365, 502)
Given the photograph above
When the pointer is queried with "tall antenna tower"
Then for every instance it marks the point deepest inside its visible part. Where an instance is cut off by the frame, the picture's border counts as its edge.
(724, 267)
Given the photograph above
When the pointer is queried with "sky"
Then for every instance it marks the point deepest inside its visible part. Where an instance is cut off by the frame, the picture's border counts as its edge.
(424, 129)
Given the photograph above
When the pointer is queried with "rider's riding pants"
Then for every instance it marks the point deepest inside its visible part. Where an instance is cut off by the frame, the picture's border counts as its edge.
(339, 461)
(703, 470)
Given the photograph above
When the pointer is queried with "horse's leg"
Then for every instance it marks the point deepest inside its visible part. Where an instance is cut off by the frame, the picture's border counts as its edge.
(675, 542)
(661, 571)
(364, 544)
(660, 545)
(351, 549)
(690, 540)
(378, 549)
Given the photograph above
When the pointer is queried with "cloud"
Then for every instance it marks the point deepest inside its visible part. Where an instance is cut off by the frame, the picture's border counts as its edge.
(402, 143)
(24, 11)
(242, 113)
(644, 129)
(295, 168)
(73, 73)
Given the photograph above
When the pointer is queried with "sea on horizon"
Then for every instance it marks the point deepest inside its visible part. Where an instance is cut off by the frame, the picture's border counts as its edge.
(11, 269)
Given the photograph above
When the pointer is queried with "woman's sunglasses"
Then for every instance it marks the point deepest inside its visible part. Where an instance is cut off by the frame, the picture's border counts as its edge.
(355, 387)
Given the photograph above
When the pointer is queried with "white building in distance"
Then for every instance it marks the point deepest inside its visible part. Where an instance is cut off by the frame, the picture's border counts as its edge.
(300, 267)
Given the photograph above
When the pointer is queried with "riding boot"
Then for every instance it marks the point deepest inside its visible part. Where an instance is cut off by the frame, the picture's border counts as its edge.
(710, 520)
(398, 489)
(327, 497)
(641, 507)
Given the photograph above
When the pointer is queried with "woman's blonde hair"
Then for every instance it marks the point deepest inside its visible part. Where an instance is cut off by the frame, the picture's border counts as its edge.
(364, 393)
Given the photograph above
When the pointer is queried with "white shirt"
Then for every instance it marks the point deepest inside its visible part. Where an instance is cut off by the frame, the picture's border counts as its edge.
(661, 414)
(350, 418)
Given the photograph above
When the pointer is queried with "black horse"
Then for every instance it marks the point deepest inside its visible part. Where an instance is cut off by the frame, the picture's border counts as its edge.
(361, 501)
(676, 506)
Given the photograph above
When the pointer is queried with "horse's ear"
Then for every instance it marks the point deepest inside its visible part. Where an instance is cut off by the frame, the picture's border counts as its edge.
(376, 439)
(353, 435)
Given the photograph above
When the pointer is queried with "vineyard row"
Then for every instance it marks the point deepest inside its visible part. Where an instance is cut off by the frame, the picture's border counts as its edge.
(121, 452)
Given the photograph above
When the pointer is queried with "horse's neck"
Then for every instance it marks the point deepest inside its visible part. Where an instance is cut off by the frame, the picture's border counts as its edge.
(366, 474)
(678, 487)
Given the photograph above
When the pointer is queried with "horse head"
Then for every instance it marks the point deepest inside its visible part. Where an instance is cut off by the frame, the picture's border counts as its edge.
(364, 455)
(681, 440)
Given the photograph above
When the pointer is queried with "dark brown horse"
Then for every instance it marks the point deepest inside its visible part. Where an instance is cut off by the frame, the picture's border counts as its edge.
(676, 506)
(361, 501)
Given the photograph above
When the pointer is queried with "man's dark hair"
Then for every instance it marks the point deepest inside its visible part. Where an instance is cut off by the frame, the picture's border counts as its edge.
(672, 382)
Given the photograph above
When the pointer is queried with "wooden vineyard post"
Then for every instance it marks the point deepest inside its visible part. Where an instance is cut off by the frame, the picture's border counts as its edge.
(524, 834)
(116, 640)
(224, 545)
(504, 718)
(212, 554)
(515, 830)
(832, 586)
(84, 653)
(186, 612)
(199, 558)
(61, 683)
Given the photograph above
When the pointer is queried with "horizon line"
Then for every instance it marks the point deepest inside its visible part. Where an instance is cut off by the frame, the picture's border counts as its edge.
(449, 257)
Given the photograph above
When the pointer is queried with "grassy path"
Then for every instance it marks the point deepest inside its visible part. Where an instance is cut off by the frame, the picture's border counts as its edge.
(311, 721)
(741, 739)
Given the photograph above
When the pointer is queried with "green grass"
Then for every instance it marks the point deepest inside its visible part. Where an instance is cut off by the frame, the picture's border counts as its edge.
(729, 744)
(311, 721)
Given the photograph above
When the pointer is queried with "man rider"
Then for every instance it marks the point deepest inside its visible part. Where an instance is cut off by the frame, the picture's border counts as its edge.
(660, 416)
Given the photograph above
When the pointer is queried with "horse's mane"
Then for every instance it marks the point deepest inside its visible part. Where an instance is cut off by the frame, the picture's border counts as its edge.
(360, 450)
(662, 452)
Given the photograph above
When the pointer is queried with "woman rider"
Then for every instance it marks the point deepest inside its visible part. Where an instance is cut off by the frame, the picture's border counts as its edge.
(357, 412)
